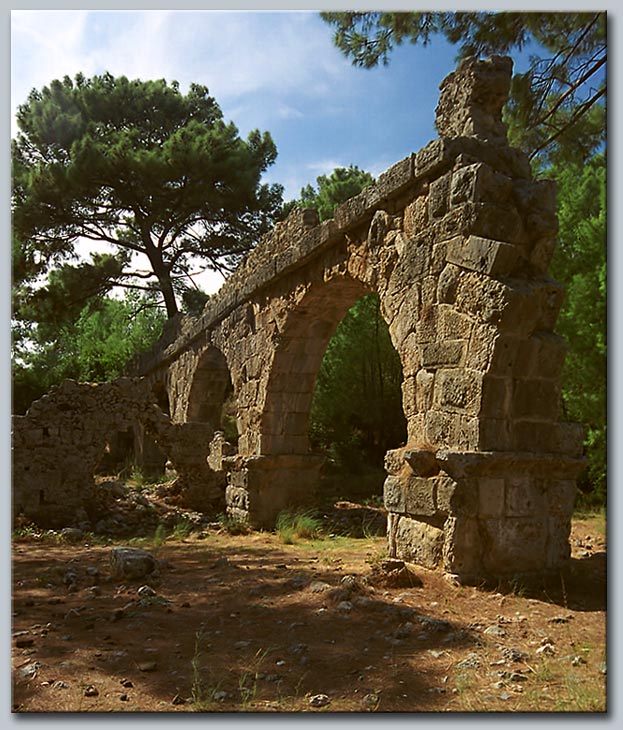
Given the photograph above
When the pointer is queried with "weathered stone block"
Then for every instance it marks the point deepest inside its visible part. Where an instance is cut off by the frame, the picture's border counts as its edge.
(394, 495)
(515, 545)
(558, 549)
(496, 397)
(396, 177)
(458, 388)
(446, 487)
(438, 196)
(448, 283)
(492, 258)
(426, 330)
(560, 496)
(422, 462)
(132, 563)
(437, 354)
(468, 435)
(462, 554)
(480, 183)
(458, 499)
(419, 542)
(496, 434)
(415, 217)
(441, 428)
(419, 496)
(491, 499)
(524, 497)
(424, 382)
(550, 358)
(394, 461)
(453, 325)
(481, 346)
(435, 157)
(536, 399)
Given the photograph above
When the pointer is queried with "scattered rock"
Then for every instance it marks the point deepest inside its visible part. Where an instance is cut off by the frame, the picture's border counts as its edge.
(345, 606)
(393, 573)
(220, 696)
(577, 660)
(132, 563)
(148, 666)
(178, 700)
(546, 650)
(146, 591)
(319, 587)
(298, 582)
(434, 624)
(242, 644)
(560, 619)
(320, 700)
(71, 534)
(471, 661)
(59, 684)
(371, 700)
(91, 691)
(513, 655)
(494, 630)
(30, 671)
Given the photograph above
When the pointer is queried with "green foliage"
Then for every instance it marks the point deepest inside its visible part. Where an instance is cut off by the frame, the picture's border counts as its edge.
(292, 526)
(141, 167)
(558, 102)
(94, 348)
(357, 406)
(343, 183)
(580, 262)
(233, 526)
(182, 529)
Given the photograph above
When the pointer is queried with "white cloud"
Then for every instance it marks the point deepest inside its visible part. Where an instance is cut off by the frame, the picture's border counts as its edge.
(324, 167)
(284, 111)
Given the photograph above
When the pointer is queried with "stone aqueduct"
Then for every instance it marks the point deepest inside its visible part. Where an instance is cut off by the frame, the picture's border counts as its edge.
(456, 241)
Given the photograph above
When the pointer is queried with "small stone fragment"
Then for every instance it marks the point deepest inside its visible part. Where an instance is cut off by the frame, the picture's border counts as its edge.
(320, 700)
(146, 592)
(91, 691)
(147, 666)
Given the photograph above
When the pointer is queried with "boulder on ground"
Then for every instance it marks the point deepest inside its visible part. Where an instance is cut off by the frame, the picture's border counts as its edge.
(129, 562)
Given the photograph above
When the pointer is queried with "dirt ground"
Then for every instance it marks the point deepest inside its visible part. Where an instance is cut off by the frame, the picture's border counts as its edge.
(246, 623)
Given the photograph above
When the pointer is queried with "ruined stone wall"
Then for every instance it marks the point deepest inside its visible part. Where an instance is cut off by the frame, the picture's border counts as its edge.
(59, 443)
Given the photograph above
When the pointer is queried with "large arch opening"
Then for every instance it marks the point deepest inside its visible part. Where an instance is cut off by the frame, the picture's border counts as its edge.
(336, 332)
(356, 412)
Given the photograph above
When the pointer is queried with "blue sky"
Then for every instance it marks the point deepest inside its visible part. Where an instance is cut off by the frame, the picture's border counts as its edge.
(273, 71)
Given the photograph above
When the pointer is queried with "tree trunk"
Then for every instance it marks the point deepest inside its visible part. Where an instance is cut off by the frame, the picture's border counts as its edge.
(166, 287)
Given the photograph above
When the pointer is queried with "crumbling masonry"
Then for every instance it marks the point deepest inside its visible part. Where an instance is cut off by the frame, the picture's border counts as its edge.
(456, 240)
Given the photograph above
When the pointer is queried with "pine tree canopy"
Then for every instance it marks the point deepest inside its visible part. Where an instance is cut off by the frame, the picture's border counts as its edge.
(144, 168)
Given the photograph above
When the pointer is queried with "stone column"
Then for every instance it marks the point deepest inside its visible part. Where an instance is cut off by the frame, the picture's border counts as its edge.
(480, 515)
(260, 487)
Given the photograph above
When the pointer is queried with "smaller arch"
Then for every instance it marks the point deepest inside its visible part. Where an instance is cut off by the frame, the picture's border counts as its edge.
(211, 393)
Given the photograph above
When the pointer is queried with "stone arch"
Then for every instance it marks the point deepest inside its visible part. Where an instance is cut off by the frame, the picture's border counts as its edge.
(298, 355)
(210, 388)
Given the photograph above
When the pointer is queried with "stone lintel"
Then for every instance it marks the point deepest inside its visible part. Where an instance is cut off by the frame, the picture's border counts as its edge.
(461, 464)
(269, 462)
